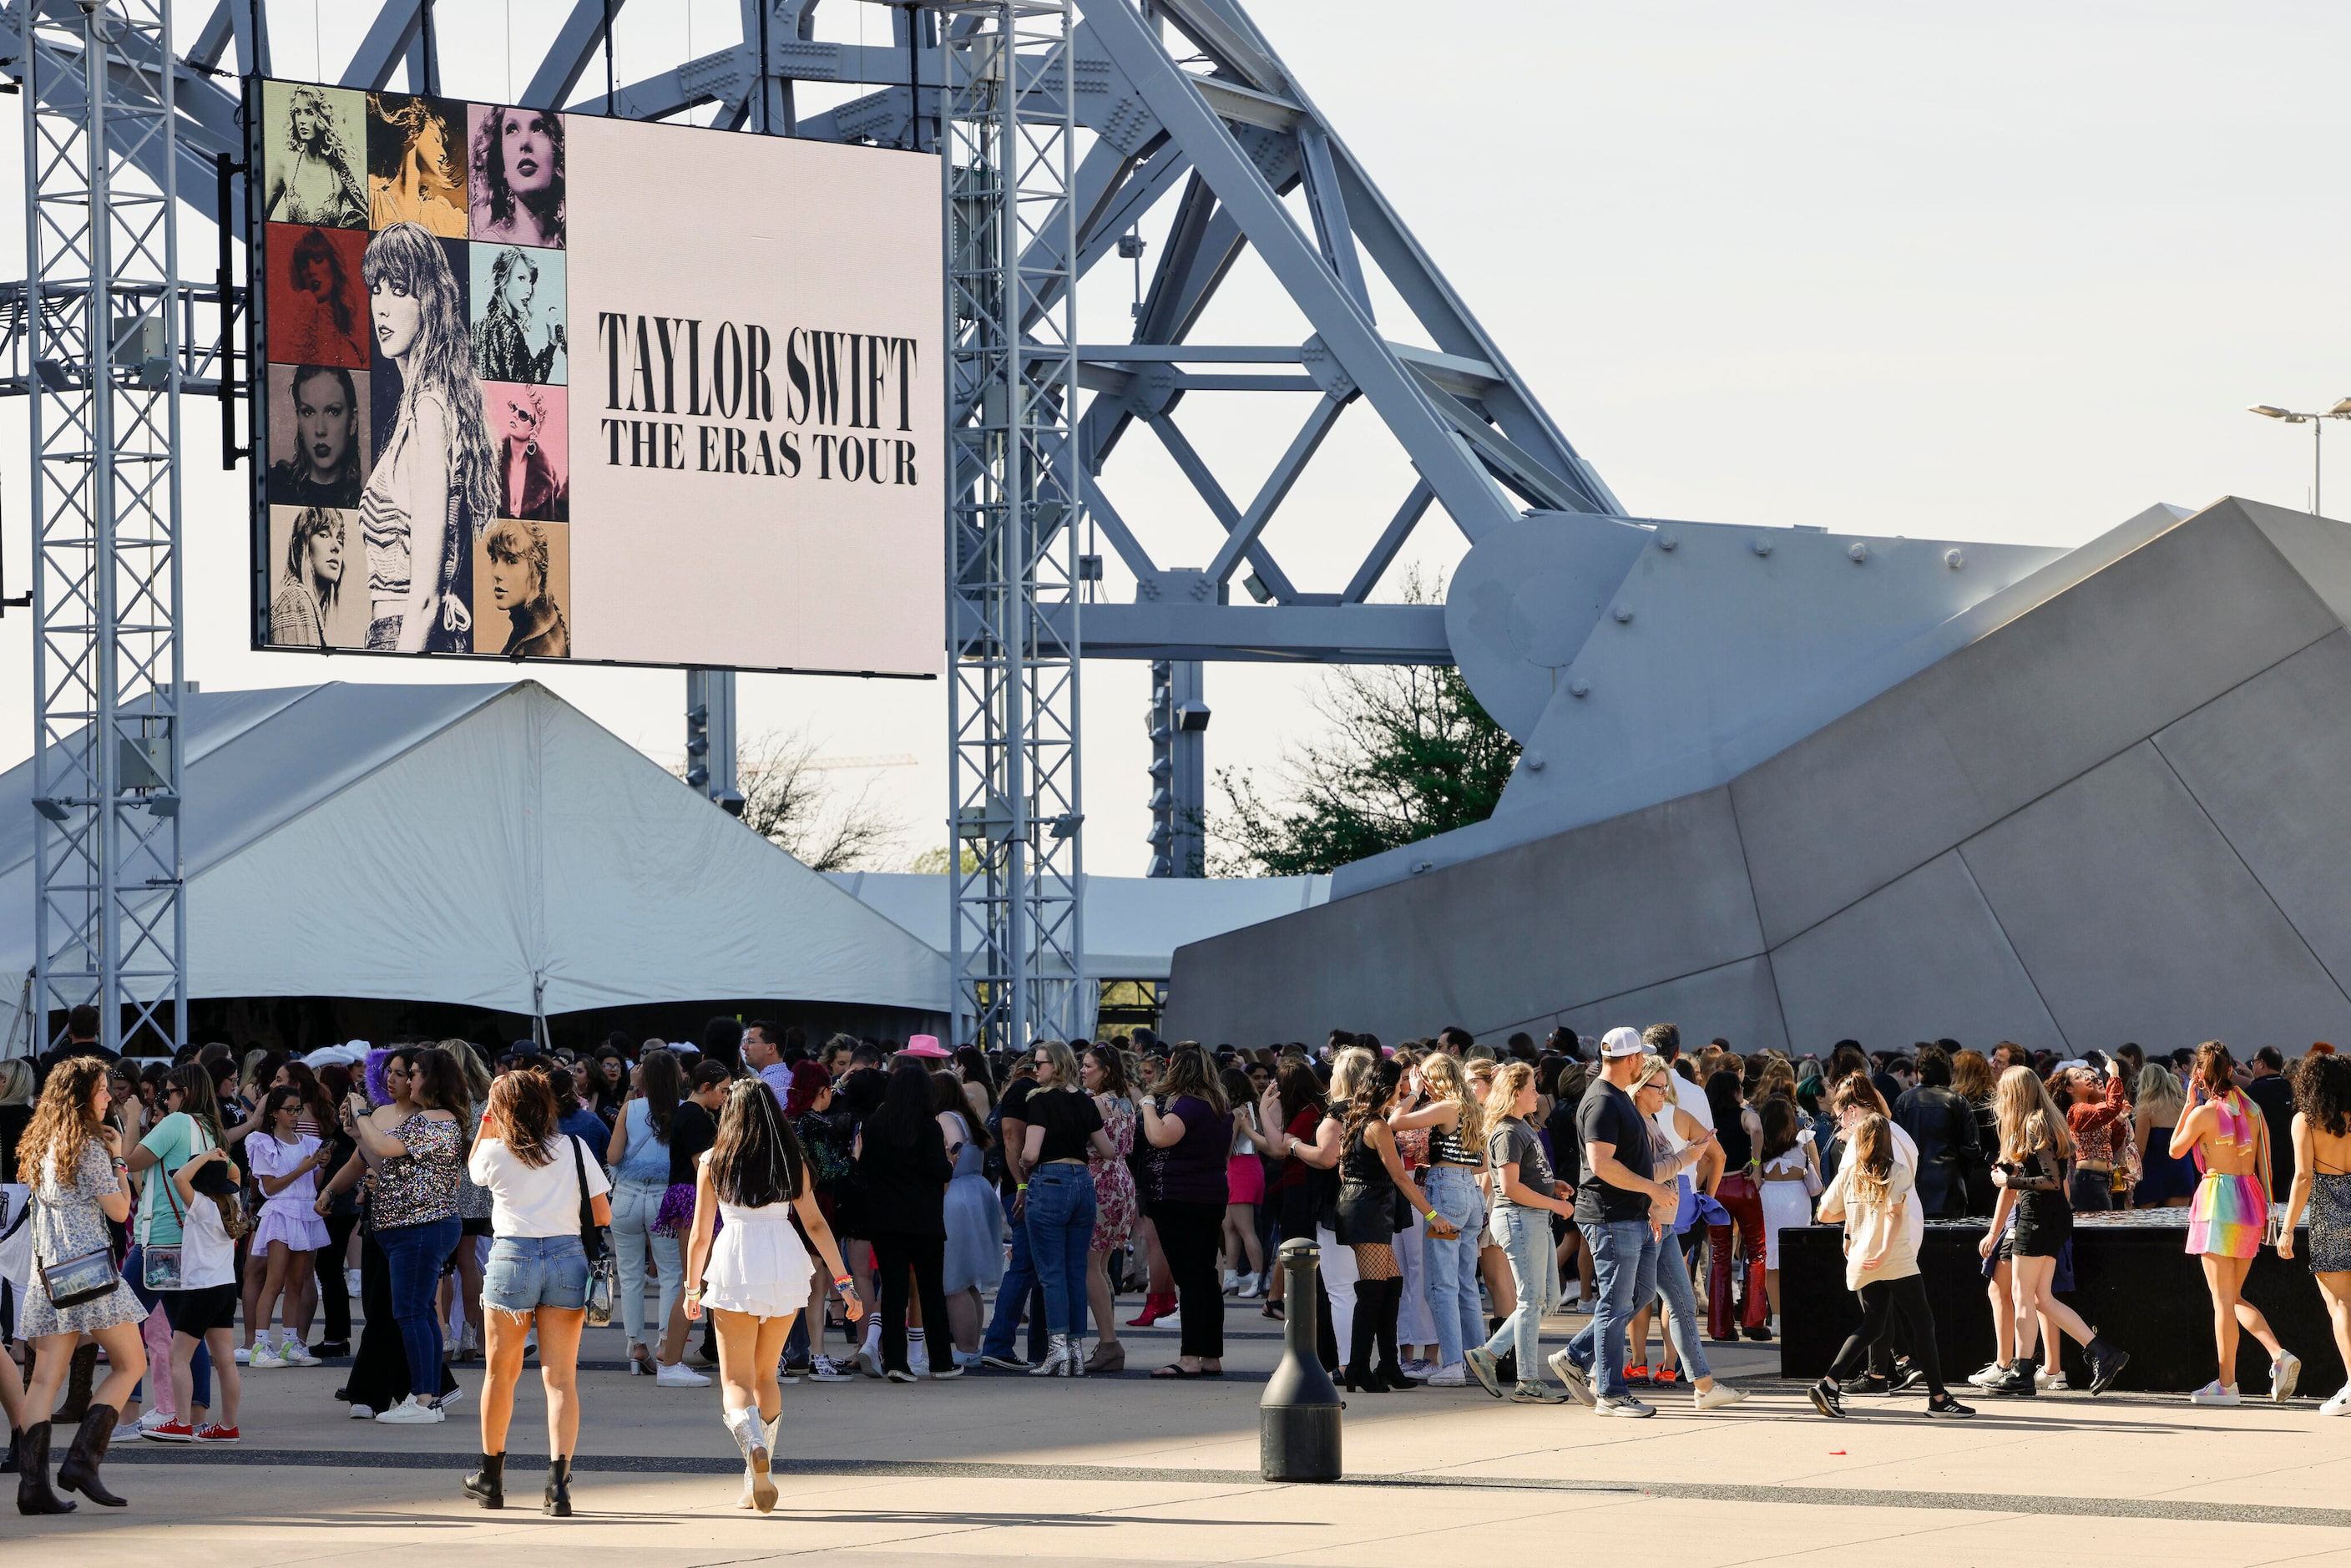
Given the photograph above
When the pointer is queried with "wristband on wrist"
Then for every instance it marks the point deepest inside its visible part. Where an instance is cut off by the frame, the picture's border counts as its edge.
(1433, 1216)
(1020, 1186)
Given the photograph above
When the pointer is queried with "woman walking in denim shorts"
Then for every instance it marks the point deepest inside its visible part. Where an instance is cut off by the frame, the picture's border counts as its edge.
(538, 1273)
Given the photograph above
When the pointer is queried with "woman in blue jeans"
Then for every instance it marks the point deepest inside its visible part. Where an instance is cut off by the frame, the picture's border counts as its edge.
(540, 1181)
(639, 1153)
(415, 1143)
(1652, 1095)
(1437, 1096)
(1056, 1201)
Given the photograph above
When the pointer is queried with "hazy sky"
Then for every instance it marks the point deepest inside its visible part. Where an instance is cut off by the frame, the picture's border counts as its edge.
(2000, 271)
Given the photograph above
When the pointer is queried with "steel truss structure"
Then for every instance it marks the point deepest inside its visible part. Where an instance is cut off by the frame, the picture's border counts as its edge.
(1007, 133)
(1125, 109)
(96, 332)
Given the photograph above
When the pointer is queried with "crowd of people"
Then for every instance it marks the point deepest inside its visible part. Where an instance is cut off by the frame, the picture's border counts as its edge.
(193, 1219)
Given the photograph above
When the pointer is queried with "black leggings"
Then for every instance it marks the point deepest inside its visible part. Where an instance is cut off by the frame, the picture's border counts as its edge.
(1880, 1299)
(1189, 1234)
(895, 1254)
(334, 1290)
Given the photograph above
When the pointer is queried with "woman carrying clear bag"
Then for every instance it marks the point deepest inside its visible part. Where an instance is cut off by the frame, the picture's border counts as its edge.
(547, 1195)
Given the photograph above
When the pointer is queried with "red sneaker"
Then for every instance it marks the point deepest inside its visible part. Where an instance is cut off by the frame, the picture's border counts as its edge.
(171, 1432)
(216, 1433)
(1664, 1377)
(1637, 1375)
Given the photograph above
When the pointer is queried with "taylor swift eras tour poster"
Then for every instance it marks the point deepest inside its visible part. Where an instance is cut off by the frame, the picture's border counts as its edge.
(540, 385)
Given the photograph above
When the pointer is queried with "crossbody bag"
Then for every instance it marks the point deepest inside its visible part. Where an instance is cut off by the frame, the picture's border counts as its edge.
(591, 1241)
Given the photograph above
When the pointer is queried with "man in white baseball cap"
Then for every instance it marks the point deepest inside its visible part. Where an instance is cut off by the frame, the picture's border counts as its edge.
(1612, 1210)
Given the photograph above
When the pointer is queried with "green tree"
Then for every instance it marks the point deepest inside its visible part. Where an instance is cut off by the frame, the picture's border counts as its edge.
(1410, 752)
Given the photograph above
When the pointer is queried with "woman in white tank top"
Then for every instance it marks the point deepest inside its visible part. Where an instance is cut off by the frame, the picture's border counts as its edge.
(751, 1270)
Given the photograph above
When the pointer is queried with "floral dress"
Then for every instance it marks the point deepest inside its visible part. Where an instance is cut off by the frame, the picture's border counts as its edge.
(1114, 1182)
(66, 1223)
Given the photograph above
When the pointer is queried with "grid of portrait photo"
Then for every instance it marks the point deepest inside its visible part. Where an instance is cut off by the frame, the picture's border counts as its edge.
(415, 438)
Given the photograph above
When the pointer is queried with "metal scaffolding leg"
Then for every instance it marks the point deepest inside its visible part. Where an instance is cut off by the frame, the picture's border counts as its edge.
(110, 927)
(1178, 721)
(1007, 131)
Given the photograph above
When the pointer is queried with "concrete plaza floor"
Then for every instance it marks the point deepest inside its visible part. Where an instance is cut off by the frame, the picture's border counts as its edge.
(1002, 1469)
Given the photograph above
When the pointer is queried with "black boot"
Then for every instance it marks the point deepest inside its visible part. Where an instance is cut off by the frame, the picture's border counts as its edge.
(488, 1486)
(558, 1489)
(1326, 1337)
(79, 1472)
(33, 1493)
(81, 1373)
(2017, 1382)
(1391, 1370)
(2107, 1362)
(1362, 1333)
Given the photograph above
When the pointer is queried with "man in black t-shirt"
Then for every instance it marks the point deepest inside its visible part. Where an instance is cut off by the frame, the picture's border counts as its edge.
(1612, 1210)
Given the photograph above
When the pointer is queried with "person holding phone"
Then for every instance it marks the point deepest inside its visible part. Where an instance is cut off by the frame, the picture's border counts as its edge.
(1671, 1158)
(1373, 1188)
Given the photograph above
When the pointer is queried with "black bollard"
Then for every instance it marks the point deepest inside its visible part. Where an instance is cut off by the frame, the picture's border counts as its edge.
(1298, 1419)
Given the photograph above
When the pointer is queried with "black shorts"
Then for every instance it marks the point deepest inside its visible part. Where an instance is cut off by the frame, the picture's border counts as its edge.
(198, 1311)
(473, 1227)
(2045, 1222)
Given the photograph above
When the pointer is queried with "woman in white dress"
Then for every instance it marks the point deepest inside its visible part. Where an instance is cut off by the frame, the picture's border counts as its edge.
(1790, 1174)
(752, 1272)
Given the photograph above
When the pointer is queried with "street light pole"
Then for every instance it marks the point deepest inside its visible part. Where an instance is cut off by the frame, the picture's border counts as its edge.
(2317, 430)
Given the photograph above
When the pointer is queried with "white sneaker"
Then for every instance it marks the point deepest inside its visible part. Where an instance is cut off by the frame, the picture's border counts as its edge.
(918, 1358)
(1720, 1394)
(2338, 1406)
(1454, 1376)
(2286, 1374)
(362, 1413)
(1578, 1381)
(2214, 1393)
(265, 1358)
(151, 1419)
(298, 1354)
(352, 1282)
(1627, 1406)
(2051, 1381)
(245, 1355)
(1992, 1373)
(824, 1369)
(410, 1412)
(677, 1375)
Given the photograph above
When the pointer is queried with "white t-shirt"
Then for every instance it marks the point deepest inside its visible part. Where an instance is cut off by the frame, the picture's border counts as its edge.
(207, 1256)
(529, 1201)
(1692, 1099)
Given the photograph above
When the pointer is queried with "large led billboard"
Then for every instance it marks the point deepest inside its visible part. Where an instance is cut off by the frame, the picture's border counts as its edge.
(532, 385)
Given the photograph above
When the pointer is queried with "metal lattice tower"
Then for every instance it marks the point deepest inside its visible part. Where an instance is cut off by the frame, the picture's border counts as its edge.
(102, 323)
(1007, 137)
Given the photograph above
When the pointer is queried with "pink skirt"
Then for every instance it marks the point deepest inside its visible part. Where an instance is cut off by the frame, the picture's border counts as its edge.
(1245, 1179)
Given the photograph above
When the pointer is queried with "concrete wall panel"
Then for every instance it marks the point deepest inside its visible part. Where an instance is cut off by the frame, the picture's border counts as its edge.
(2268, 763)
(2167, 628)
(2136, 921)
(1921, 958)
(1735, 1003)
(1522, 933)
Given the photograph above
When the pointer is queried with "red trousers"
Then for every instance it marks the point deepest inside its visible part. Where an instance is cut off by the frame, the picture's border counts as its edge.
(1741, 1196)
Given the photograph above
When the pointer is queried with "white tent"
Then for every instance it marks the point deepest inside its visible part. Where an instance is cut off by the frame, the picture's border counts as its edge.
(487, 845)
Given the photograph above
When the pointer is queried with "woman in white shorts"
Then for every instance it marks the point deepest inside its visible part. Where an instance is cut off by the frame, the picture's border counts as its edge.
(745, 1263)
